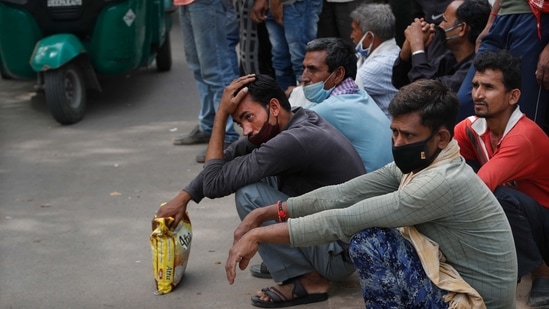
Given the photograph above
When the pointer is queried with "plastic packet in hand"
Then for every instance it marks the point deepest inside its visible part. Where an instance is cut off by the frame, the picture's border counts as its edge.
(170, 252)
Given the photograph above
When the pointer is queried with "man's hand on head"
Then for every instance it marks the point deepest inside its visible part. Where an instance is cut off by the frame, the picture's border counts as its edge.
(231, 98)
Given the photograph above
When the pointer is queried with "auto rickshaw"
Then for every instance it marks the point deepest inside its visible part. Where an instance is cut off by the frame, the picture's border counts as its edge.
(67, 44)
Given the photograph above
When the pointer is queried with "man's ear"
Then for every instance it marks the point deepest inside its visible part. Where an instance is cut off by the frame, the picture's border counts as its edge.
(444, 138)
(464, 29)
(339, 75)
(274, 107)
(514, 96)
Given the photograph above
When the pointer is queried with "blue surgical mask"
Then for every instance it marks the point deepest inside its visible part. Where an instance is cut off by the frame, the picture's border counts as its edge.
(316, 92)
(361, 51)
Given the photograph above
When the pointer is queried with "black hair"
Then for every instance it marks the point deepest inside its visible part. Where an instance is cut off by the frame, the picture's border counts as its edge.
(264, 88)
(475, 14)
(501, 60)
(436, 104)
(339, 53)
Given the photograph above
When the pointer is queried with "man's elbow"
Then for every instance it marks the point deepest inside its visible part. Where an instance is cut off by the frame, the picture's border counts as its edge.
(210, 190)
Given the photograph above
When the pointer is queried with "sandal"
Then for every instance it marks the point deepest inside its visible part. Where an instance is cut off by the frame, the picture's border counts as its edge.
(279, 298)
(260, 271)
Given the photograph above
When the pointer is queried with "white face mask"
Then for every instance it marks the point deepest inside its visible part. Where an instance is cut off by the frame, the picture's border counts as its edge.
(360, 51)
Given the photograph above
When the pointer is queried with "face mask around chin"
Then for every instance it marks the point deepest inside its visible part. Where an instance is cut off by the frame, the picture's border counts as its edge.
(361, 51)
(316, 92)
(414, 156)
(266, 132)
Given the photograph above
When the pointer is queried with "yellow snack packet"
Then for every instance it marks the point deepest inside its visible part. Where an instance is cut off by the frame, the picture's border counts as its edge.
(170, 252)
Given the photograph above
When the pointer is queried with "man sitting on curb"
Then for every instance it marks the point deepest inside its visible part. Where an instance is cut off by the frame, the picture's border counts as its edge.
(510, 152)
(455, 246)
(283, 153)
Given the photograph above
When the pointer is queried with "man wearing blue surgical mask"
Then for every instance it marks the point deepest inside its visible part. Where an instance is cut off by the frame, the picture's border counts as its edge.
(444, 52)
(374, 35)
(329, 70)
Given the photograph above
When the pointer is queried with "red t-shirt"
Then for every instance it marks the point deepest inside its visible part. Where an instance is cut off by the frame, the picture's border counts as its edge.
(520, 159)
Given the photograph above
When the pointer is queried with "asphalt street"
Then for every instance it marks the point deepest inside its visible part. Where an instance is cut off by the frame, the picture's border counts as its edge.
(76, 201)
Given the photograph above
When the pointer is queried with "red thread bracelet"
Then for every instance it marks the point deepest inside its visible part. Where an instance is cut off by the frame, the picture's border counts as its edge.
(281, 214)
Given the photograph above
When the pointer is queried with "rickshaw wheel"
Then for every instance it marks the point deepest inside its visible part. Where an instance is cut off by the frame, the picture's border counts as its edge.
(164, 55)
(66, 93)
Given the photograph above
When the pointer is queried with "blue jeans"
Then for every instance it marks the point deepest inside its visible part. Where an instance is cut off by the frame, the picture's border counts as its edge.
(206, 37)
(289, 41)
(518, 34)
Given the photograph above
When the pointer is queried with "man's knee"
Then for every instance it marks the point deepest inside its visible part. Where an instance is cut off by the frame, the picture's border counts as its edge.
(372, 243)
(515, 203)
(245, 200)
(257, 195)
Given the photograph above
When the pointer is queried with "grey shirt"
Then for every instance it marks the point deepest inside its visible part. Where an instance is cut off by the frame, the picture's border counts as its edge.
(309, 153)
(448, 204)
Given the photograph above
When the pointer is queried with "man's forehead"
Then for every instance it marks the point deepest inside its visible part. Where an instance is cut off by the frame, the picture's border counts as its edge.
(316, 57)
(492, 75)
(249, 104)
(452, 8)
(245, 105)
(407, 122)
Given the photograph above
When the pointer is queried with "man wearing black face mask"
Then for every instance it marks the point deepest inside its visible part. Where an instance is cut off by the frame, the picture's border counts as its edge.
(444, 52)
(401, 219)
(283, 153)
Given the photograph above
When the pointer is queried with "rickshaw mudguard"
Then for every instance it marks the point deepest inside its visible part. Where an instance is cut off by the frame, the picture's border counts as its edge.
(54, 51)
(19, 33)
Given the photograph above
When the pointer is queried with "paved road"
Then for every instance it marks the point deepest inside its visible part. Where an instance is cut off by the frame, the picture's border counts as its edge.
(76, 201)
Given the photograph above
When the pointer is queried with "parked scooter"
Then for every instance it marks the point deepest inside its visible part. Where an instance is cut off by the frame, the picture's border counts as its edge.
(66, 44)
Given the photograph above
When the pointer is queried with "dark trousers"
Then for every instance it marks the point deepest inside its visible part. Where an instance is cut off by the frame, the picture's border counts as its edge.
(530, 226)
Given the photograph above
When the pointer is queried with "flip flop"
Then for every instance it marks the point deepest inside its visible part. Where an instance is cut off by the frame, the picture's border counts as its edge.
(279, 299)
(260, 271)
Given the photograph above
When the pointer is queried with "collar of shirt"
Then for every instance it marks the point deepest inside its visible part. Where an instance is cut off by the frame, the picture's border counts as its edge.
(347, 86)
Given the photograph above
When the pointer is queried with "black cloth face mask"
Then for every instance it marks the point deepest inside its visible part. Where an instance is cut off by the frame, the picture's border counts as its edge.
(414, 156)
